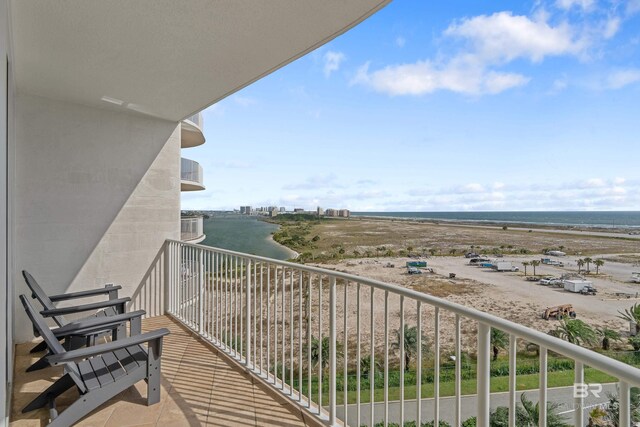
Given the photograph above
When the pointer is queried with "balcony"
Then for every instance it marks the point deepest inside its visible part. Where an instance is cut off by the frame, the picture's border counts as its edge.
(191, 175)
(192, 229)
(322, 342)
(197, 385)
(192, 131)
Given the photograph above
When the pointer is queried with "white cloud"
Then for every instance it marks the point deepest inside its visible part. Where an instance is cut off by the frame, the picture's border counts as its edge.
(611, 27)
(425, 77)
(400, 41)
(503, 37)
(490, 41)
(316, 182)
(621, 78)
(559, 85)
(332, 61)
(244, 101)
(633, 7)
(582, 4)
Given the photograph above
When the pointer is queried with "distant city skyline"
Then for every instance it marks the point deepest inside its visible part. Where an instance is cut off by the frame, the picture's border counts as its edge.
(445, 106)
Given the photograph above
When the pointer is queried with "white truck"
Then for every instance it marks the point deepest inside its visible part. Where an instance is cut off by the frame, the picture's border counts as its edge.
(504, 266)
(635, 277)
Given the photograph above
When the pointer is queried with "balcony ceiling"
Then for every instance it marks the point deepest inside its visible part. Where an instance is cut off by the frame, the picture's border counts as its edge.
(166, 58)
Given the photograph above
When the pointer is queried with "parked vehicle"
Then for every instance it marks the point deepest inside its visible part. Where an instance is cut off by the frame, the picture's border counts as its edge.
(504, 266)
(471, 255)
(545, 281)
(635, 277)
(416, 263)
(559, 312)
(414, 270)
(577, 285)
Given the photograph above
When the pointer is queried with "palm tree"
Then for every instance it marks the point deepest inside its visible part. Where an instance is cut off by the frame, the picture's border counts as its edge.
(525, 264)
(588, 261)
(499, 341)
(527, 414)
(452, 251)
(561, 247)
(596, 417)
(575, 331)
(608, 335)
(409, 249)
(534, 264)
(598, 263)
(410, 344)
(365, 366)
(323, 349)
(631, 315)
(356, 254)
(432, 251)
(580, 263)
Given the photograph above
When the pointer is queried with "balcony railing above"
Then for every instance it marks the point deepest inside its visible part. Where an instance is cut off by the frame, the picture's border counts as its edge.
(307, 332)
(192, 229)
(196, 119)
(192, 133)
(191, 175)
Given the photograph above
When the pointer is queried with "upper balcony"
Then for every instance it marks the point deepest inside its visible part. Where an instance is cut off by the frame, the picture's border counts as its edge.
(192, 131)
(192, 229)
(191, 175)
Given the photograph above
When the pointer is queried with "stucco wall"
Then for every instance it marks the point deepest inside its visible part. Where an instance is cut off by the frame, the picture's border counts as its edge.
(96, 194)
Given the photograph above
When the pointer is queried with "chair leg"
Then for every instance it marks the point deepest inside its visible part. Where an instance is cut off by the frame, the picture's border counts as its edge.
(40, 364)
(53, 391)
(39, 347)
(89, 402)
(153, 372)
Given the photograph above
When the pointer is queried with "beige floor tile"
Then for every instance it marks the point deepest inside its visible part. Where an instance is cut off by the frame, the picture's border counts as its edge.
(200, 387)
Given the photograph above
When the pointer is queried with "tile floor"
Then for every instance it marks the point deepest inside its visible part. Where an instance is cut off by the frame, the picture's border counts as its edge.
(200, 387)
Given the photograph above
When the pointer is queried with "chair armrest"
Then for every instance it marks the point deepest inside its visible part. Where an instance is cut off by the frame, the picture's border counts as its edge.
(85, 307)
(108, 289)
(96, 323)
(86, 352)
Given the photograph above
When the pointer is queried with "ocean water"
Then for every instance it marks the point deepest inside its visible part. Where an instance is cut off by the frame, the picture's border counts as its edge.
(243, 234)
(613, 219)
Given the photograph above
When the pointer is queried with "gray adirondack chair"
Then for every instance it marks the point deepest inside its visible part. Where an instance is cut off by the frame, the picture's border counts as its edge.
(99, 372)
(80, 337)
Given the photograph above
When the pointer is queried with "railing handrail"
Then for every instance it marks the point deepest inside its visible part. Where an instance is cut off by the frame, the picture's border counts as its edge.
(591, 358)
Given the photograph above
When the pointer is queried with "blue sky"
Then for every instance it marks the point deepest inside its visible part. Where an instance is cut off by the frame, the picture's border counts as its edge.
(441, 106)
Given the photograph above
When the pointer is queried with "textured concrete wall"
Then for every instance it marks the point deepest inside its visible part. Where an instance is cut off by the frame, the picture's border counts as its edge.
(97, 192)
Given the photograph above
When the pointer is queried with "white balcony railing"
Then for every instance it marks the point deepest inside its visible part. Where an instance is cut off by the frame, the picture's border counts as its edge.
(191, 171)
(191, 228)
(271, 316)
(196, 119)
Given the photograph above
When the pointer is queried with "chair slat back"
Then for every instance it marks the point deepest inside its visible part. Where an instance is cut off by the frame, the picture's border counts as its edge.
(52, 342)
(38, 293)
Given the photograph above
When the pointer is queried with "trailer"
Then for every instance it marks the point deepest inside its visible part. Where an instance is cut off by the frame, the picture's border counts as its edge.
(577, 285)
(486, 265)
(418, 264)
(504, 266)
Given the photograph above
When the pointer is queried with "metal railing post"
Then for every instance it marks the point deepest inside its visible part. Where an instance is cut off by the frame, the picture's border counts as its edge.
(332, 351)
(200, 291)
(625, 406)
(166, 306)
(484, 341)
(247, 329)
